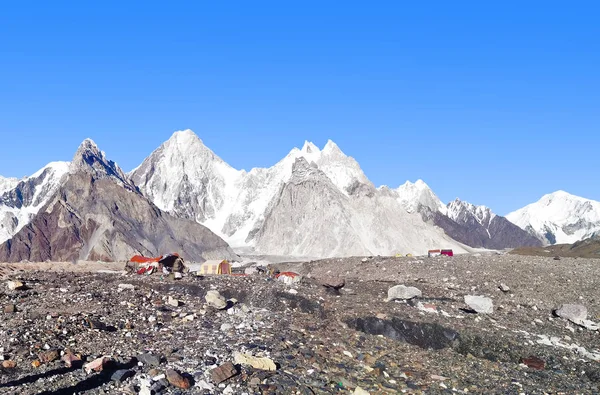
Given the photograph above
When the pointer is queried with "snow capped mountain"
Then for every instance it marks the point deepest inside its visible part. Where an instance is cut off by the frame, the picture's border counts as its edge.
(186, 178)
(413, 195)
(559, 218)
(21, 199)
(463, 212)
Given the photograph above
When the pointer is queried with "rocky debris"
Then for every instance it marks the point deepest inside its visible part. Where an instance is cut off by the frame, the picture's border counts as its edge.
(534, 363)
(15, 285)
(573, 312)
(126, 287)
(97, 365)
(480, 304)
(402, 292)
(48, 356)
(10, 309)
(173, 302)
(256, 362)
(215, 300)
(320, 342)
(9, 364)
(335, 283)
(360, 391)
(577, 314)
(224, 372)
(70, 359)
(149, 359)
(504, 288)
(177, 380)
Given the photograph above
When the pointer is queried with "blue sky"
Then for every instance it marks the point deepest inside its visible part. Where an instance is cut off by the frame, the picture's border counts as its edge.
(497, 104)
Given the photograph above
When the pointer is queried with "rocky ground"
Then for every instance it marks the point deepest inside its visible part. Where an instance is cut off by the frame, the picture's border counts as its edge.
(161, 335)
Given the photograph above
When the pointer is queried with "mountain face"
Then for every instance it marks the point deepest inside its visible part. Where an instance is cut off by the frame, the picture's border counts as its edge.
(311, 216)
(277, 210)
(186, 178)
(97, 213)
(482, 228)
(559, 218)
(20, 200)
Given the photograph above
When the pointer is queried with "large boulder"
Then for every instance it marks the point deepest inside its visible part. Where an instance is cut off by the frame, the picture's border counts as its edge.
(480, 304)
(402, 292)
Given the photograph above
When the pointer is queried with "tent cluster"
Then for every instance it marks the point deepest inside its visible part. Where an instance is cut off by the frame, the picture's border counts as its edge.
(173, 263)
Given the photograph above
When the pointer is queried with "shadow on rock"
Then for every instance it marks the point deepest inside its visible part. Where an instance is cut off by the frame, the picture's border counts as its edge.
(424, 335)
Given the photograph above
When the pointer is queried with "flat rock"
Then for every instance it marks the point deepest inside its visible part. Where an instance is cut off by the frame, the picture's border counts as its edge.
(402, 292)
(10, 308)
(573, 312)
(15, 285)
(255, 362)
(481, 304)
(223, 372)
(48, 356)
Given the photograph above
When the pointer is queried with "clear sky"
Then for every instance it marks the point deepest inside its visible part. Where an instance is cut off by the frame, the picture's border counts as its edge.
(497, 104)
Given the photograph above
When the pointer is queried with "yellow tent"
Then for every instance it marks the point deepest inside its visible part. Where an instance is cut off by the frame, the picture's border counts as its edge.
(215, 267)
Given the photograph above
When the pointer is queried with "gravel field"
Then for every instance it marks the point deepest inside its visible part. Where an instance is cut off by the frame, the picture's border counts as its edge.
(163, 336)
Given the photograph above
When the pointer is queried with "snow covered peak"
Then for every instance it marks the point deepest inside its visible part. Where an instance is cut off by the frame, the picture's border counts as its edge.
(332, 148)
(559, 218)
(412, 195)
(310, 148)
(458, 210)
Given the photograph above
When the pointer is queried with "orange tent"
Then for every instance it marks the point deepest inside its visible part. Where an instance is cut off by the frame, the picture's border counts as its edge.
(142, 259)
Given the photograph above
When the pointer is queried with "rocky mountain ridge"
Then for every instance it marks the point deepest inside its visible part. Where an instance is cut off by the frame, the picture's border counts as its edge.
(97, 213)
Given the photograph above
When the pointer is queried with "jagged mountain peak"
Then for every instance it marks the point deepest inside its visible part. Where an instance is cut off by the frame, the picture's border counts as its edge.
(460, 208)
(90, 159)
(310, 148)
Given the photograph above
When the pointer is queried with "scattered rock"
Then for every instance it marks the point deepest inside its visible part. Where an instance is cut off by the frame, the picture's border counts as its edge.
(335, 283)
(255, 362)
(360, 391)
(173, 302)
(223, 372)
(96, 365)
(557, 258)
(402, 292)
(215, 300)
(15, 285)
(10, 309)
(504, 288)
(36, 364)
(71, 359)
(534, 363)
(575, 313)
(48, 356)
(177, 380)
(9, 364)
(126, 287)
(149, 359)
(480, 304)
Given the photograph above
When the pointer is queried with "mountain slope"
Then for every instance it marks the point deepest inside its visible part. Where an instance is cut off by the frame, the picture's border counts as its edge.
(22, 199)
(310, 216)
(482, 228)
(98, 214)
(559, 218)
